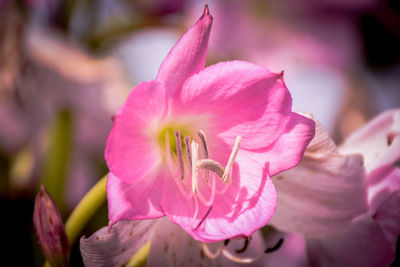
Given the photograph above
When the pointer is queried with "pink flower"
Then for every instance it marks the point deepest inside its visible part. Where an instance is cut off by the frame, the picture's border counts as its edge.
(199, 144)
(342, 203)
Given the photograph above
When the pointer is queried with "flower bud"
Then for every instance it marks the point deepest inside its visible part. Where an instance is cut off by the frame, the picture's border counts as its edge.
(50, 230)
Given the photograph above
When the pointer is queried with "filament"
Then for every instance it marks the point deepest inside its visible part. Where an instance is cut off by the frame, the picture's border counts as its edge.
(212, 193)
(237, 259)
(208, 252)
(204, 217)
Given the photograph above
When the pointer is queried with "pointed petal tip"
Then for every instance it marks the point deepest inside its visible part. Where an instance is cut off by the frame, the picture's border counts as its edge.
(280, 74)
(206, 11)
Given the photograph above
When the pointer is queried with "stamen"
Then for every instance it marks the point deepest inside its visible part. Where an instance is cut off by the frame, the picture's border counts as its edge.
(196, 210)
(237, 259)
(179, 154)
(186, 139)
(211, 165)
(195, 170)
(208, 252)
(203, 139)
(212, 193)
(187, 195)
(202, 220)
(275, 247)
(226, 177)
(246, 244)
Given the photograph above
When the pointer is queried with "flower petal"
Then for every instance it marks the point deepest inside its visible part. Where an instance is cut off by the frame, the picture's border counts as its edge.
(246, 206)
(370, 241)
(171, 246)
(129, 141)
(239, 98)
(321, 195)
(187, 57)
(378, 193)
(116, 246)
(387, 217)
(139, 200)
(289, 148)
(379, 143)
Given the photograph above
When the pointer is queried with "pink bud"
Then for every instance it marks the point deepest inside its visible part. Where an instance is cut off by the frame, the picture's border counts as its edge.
(50, 230)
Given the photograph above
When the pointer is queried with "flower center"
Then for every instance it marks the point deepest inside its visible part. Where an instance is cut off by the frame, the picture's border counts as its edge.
(194, 173)
(166, 136)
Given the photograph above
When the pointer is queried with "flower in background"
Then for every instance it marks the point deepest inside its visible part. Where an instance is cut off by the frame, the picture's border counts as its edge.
(342, 204)
(50, 230)
(199, 144)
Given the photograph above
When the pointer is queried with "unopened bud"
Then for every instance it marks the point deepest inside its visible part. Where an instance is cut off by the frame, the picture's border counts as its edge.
(50, 230)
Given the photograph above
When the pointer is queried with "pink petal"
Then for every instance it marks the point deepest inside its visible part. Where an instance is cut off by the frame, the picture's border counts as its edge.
(370, 241)
(379, 143)
(321, 195)
(246, 206)
(171, 246)
(239, 98)
(378, 193)
(188, 56)
(292, 253)
(388, 218)
(363, 245)
(129, 142)
(116, 246)
(288, 150)
(137, 200)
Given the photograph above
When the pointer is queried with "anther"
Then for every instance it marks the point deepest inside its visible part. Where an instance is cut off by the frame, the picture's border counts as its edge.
(186, 139)
(225, 177)
(179, 153)
(195, 170)
(275, 247)
(203, 139)
(211, 165)
(246, 244)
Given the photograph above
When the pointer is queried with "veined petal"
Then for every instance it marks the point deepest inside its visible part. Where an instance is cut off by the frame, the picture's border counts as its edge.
(379, 143)
(387, 216)
(320, 196)
(369, 242)
(187, 57)
(287, 151)
(378, 193)
(116, 246)
(239, 97)
(130, 141)
(137, 200)
(247, 205)
(171, 246)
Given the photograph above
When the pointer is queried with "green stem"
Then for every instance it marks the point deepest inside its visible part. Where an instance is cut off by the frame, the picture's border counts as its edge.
(89, 204)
